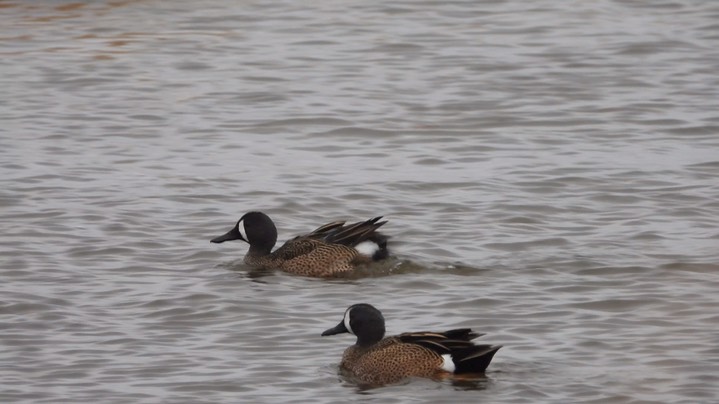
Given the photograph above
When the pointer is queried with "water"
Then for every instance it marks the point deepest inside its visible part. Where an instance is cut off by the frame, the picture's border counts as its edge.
(548, 170)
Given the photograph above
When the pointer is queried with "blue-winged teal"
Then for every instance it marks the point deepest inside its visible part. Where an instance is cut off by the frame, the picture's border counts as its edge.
(331, 249)
(376, 360)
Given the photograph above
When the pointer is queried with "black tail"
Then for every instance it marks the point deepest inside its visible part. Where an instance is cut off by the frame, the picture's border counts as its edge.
(474, 359)
(381, 240)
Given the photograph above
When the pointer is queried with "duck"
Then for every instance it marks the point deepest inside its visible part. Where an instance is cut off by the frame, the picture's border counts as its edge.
(329, 250)
(378, 360)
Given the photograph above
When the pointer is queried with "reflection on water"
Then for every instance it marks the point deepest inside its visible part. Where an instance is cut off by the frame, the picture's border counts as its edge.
(460, 383)
(548, 172)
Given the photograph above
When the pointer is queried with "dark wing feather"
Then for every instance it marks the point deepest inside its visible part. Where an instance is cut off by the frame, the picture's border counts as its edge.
(435, 346)
(322, 231)
(355, 233)
(459, 334)
(439, 345)
(463, 334)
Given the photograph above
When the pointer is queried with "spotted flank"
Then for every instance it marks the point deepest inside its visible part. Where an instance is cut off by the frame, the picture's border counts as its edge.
(377, 360)
(330, 249)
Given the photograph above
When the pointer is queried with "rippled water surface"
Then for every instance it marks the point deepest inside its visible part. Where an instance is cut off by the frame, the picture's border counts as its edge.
(549, 171)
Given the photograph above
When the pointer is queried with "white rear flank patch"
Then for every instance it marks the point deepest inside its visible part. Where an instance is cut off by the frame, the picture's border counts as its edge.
(367, 248)
(347, 322)
(448, 363)
(241, 229)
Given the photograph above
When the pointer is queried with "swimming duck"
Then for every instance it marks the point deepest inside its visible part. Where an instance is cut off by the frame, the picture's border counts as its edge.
(377, 360)
(330, 249)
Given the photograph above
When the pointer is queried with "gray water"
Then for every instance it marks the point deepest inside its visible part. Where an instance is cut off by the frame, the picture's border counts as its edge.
(549, 170)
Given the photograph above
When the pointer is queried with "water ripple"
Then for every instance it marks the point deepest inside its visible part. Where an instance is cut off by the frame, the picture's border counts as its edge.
(548, 172)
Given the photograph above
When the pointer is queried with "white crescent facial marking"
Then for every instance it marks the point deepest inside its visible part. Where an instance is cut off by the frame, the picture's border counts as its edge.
(448, 363)
(367, 248)
(241, 229)
(347, 321)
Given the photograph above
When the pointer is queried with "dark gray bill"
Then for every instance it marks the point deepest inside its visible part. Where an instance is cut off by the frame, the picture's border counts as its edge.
(339, 329)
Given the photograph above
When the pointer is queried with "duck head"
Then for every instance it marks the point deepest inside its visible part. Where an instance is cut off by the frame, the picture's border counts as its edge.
(255, 229)
(362, 320)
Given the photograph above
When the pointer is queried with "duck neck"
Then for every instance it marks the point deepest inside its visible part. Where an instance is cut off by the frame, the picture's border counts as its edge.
(370, 337)
(260, 250)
